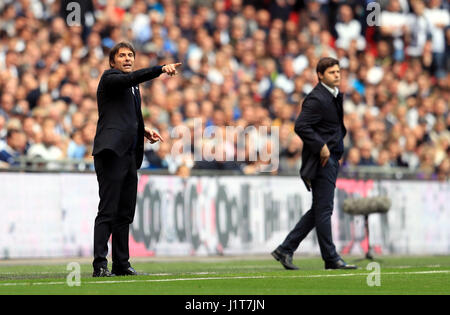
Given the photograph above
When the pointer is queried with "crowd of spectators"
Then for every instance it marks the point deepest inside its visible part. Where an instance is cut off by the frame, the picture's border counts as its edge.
(246, 64)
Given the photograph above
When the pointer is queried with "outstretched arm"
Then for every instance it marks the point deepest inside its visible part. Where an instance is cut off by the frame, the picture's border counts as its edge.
(118, 79)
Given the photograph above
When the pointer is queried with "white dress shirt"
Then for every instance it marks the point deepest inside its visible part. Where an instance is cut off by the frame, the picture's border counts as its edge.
(334, 91)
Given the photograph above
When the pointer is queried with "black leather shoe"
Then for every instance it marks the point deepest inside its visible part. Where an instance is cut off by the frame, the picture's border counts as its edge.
(339, 264)
(284, 259)
(126, 272)
(102, 272)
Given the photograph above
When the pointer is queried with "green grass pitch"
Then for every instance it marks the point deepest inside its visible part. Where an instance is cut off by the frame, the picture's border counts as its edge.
(233, 276)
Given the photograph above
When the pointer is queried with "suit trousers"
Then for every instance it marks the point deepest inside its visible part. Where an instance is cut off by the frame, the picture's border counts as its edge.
(319, 216)
(117, 180)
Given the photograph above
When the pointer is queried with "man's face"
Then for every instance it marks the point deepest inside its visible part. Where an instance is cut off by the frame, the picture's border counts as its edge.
(124, 60)
(18, 141)
(331, 76)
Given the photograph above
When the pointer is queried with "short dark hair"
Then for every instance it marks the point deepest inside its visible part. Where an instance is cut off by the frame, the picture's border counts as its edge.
(325, 63)
(115, 49)
(11, 132)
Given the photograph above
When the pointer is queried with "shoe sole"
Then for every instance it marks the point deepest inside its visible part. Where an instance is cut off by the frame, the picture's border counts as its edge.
(132, 274)
(103, 276)
(345, 268)
(275, 255)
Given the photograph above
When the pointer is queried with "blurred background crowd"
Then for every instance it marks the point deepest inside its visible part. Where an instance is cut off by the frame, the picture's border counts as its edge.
(246, 63)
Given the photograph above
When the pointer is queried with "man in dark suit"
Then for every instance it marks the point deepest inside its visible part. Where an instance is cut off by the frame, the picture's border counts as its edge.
(118, 153)
(320, 126)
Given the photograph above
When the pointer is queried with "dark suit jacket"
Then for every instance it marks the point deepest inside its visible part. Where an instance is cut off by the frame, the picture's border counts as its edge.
(120, 121)
(320, 122)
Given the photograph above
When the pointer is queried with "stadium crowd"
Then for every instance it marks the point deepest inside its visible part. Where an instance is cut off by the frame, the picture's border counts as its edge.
(246, 63)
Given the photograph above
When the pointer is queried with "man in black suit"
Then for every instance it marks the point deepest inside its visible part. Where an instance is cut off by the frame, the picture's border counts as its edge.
(320, 126)
(118, 153)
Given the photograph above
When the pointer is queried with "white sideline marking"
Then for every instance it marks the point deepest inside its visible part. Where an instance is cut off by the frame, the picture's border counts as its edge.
(224, 278)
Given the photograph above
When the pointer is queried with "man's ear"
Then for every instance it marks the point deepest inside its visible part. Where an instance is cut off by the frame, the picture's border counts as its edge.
(320, 75)
(112, 64)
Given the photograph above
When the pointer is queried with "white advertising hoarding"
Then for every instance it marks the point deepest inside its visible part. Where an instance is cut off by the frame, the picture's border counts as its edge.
(52, 215)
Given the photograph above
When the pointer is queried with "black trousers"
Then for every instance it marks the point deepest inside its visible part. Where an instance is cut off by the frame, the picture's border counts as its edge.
(319, 216)
(117, 180)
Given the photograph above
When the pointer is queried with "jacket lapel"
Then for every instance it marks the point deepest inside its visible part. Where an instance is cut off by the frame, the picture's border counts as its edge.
(138, 95)
(340, 101)
(136, 99)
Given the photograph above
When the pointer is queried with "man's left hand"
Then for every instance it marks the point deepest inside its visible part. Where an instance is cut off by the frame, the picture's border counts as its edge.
(152, 135)
(171, 69)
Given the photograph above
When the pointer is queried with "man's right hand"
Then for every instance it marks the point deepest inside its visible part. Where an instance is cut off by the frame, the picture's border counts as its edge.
(324, 155)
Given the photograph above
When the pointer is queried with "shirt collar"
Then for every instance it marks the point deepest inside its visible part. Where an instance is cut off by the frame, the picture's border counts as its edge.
(334, 91)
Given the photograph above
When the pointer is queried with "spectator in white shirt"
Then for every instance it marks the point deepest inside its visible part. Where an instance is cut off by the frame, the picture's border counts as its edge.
(393, 26)
(285, 80)
(418, 29)
(348, 29)
(47, 149)
(439, 19)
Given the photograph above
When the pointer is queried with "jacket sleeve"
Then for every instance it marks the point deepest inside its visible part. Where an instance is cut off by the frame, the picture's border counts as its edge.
(310, 116)
(117, 79)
